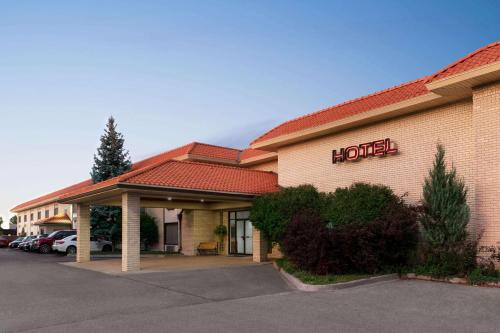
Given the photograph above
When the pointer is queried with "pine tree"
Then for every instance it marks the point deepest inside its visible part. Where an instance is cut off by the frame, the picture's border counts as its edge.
(445, 243)
(111, 160)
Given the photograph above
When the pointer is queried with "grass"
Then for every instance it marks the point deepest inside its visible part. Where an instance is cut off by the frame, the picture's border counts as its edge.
(310, 278)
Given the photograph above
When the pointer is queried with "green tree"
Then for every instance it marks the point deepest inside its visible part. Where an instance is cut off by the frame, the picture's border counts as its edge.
(13, 219)
(1, 222)
(149, 230)
(445, 217)
(111, 160)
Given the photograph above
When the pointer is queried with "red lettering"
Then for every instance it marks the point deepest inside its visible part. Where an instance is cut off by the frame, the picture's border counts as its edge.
(338, 157)
(364, 150)
(378, 148)
(349, 156)
(388, 149)
(364, 147)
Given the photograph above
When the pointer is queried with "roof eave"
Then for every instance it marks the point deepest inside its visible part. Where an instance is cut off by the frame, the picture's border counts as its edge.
(461, 84)
(390, 111)
(267, 157)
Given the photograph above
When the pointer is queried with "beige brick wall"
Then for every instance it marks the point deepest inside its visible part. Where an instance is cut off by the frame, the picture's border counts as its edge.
(416, 136)
(83, 233)
(486, 124)
(267, 166)
(198, 226)
(130, 232)
(259, 246)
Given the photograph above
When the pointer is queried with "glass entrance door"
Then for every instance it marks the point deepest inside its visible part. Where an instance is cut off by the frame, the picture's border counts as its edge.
(240, 233)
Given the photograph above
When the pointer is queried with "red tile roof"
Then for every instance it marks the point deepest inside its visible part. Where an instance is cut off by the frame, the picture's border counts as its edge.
(369, 102)
(193, 176)
(483, 56)
(206, 150)
(56, 219)
(51, 197)
(194, 148)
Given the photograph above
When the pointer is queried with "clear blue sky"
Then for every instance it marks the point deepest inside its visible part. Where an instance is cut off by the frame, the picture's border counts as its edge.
(221, 72)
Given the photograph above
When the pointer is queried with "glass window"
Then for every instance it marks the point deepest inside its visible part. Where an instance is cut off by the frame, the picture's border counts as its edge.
(25, 218)
(31, 217)
(46, 213)
(56, 210)
(243, 214)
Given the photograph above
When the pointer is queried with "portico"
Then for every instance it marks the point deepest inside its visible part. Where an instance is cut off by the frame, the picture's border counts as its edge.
(202, 209)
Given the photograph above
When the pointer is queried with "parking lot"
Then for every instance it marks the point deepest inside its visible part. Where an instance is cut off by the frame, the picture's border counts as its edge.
(40, 295)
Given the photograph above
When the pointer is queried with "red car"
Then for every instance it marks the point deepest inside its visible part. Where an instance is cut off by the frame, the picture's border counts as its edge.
(5, 240)
(44, 244)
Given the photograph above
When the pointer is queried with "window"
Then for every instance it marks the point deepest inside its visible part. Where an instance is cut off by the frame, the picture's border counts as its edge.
(56, 210)
(32, 216)
(25, 218)
(46, 213)
(39, 215)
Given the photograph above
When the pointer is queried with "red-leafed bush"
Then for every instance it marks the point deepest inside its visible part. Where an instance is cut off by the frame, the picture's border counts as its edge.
(387, 242)
(361, 243)
(307, 243)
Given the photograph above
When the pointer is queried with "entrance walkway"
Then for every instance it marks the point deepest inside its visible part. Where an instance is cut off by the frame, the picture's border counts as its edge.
(167, 263)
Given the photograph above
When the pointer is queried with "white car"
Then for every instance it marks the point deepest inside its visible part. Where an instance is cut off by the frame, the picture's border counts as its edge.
(68, 245)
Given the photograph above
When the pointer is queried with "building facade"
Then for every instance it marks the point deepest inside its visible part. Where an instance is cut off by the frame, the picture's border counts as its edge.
(388, 137)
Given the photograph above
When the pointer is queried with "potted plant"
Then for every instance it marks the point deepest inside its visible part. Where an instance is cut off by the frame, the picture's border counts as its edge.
(221, 233)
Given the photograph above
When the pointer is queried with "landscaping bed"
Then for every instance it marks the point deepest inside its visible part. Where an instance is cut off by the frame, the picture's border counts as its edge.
(314, 279)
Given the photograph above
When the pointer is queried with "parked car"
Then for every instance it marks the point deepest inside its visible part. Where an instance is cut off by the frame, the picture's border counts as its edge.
(68, 245)
(14, 244)
(44, 244)
(29, 245)
(5, 241)
(25, 242)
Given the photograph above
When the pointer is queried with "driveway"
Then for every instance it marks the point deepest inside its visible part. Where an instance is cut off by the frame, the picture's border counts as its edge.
(40, 295)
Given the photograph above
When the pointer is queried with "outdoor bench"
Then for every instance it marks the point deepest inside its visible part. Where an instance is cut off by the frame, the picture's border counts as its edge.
(207, 248)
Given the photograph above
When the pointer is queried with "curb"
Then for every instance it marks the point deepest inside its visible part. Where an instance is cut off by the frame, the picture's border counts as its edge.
(299, 285)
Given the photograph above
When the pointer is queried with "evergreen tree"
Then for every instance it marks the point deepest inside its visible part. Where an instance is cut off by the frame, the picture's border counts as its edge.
(444, 221)
(111, 160)
(13, 219)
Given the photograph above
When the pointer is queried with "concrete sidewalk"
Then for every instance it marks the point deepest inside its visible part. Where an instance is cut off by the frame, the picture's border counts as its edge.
(169, 263)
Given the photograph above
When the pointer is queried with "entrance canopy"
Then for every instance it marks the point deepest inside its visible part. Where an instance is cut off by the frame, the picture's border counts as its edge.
(167, 184)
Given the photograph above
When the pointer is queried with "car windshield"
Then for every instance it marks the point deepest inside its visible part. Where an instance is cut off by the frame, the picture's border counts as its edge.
(53, 234)
(19, 239)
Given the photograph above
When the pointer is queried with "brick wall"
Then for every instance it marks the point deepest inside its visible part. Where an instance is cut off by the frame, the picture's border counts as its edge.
(267, 166)
(83, 232)
(486, 124)
(130, 232)
(416, 136)
(198, 226)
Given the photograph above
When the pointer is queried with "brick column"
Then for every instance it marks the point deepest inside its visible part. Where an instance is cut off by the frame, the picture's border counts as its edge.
(486, 127)
(131, 248)
(259, 246)
(83, 233)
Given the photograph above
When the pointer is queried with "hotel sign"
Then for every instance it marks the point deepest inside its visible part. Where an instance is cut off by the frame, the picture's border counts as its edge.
(364, 150)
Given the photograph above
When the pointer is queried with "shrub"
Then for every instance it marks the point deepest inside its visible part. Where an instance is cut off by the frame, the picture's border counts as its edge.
(272, 213)
(149, 231)
(445, 242)
(384, 244)
(359, 203)
(307, 244)
(358, 246)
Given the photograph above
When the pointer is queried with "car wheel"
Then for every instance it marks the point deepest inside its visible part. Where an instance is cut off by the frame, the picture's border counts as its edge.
(106, 248)
(71, 250)
(44, 249)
